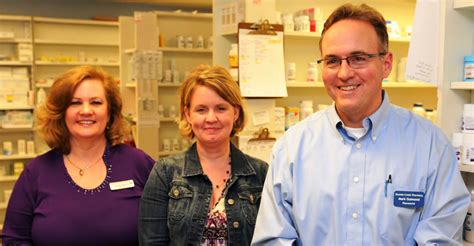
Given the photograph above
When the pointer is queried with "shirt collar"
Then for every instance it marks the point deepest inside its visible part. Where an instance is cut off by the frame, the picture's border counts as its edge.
(374, 123)
(240, 164)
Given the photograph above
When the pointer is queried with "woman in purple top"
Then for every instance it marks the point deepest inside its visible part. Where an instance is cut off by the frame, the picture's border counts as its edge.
(86, 189)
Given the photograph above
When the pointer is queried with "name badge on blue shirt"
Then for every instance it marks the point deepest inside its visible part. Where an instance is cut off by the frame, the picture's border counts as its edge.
(409, 199)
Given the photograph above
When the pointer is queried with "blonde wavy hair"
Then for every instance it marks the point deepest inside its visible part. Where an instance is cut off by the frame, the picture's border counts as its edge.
(219, 80)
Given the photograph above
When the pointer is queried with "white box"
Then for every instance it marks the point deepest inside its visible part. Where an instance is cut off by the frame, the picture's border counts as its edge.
(21, 148)
(13, 98)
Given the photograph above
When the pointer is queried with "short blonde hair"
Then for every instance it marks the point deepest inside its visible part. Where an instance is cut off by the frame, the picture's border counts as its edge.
(51, 116)
(219, 80)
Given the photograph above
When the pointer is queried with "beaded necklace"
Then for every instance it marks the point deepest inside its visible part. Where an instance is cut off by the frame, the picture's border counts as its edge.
(225, 182)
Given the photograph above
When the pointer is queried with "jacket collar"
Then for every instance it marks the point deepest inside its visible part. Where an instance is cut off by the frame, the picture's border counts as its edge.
(240, 163)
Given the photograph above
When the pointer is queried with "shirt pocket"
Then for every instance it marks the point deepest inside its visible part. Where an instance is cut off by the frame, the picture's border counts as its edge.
(250, 202)
(180, 196)
(398, 223)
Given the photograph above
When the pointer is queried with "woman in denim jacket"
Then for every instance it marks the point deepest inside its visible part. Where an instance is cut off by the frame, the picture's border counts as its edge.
(210, 194)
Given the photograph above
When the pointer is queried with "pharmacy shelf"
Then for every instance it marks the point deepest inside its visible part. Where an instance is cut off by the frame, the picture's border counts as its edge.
(16, 107)
(169, 85)
(16, 157)
(180, 14)
(74, 42)
(316, 35)
(74, 21)
(15, 63)
(185, 50)
(302, 34)
(168, 119)
(304, 84)
(44, 85)
(48, 63)
(8, 178)
(466, 168)
(166, 153)
(384, 85)
(15, 18)
(14, 130)
(463, 4)
(15, 40)
(3, 206)
(462, 85)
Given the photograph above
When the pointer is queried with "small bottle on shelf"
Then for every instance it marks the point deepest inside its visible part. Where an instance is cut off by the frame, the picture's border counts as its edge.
(418, 109)
(234, 55)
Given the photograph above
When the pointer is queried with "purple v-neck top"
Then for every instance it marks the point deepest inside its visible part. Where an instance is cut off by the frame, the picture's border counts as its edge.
(47, 208)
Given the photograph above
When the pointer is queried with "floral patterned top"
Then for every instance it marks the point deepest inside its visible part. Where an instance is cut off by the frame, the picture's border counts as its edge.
(215, 229)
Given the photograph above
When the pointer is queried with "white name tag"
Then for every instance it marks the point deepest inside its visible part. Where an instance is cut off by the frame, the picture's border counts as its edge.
(120, 185)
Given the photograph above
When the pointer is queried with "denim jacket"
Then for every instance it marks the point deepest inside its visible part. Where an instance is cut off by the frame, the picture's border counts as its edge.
(176, 198)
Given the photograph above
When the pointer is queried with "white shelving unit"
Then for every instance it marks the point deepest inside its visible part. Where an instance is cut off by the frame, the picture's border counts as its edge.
(136, 34)
(15, 31)
(456, 34)
(169, 25)
(60, 44)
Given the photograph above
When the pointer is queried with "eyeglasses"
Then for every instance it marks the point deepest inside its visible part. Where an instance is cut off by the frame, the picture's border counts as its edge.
(355, 61)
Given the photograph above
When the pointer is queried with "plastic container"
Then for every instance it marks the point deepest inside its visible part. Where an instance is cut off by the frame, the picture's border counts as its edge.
(172, 112)
(41, 96)
(312, 72)
(161, 110)
(210, 42)
(291, 72)
(7, 148)
(234, 73)
(234, 56)
(30, 147)
(306, 108)
(430, 115)
(166, 145)
(200, 42)
(468, 118)
(456, 141)
(180, 41)
(305, 27)
(189, 42)
(468, 222)
(288, 23)
(418, 109)
(176, 145)
(467, 150)
(292, 116)
(469, 68)
(21, 147)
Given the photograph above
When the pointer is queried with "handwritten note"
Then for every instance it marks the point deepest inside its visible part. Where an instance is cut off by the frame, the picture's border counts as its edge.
(423, 54)
(261, 65)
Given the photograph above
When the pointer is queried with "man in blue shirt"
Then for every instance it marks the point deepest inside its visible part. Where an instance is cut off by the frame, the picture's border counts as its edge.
(363, 171)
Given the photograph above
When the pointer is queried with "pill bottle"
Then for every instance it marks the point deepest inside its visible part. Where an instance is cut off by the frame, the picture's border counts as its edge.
(469, 68)
(430, 115)
(312, 72)
(456, 141)
(234, 55)
(467, 150)
(306, 108)
(291, 72)
(418, 109)
(468, 118)
(468, 222)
